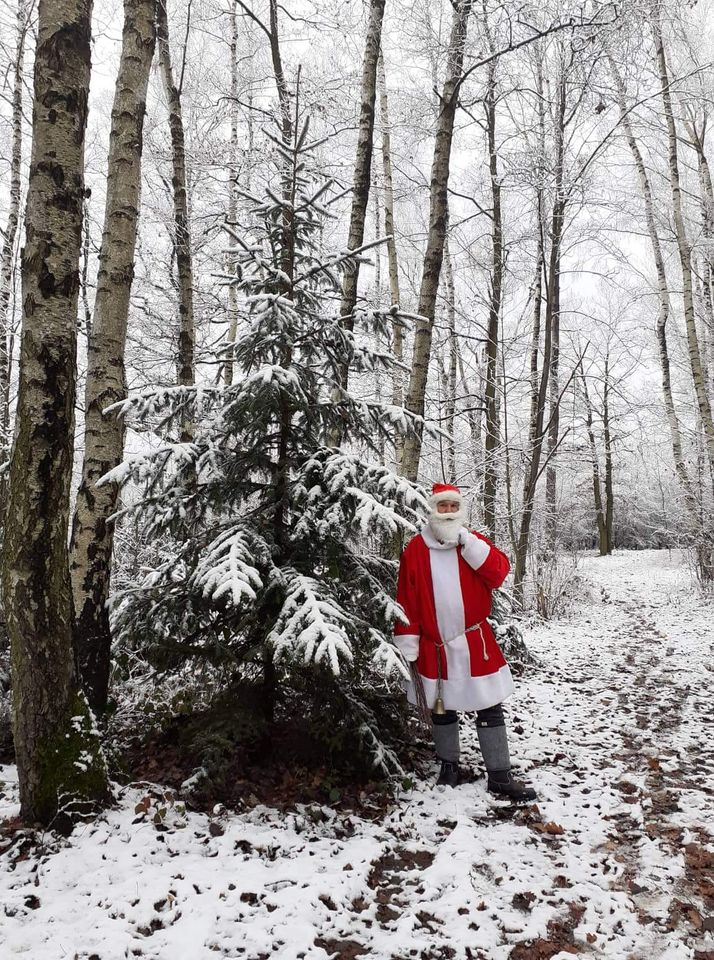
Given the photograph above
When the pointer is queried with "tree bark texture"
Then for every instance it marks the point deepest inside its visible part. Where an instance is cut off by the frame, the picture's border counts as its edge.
(279, 73)
(182, 224)
(685, 253)
(663, 298)
(363, 159)
(363, 169)
(607, 433)
(597, 487)
(232, 195)
(438, 218)
(59, 758)
(706, 262)
(552, 306)
(450, 371)
(392, 259)
(8, 245)
(492, 426)
(92, 532)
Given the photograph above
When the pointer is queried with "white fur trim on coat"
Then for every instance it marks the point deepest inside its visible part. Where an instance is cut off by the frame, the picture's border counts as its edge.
(408, 644)
(467, 693)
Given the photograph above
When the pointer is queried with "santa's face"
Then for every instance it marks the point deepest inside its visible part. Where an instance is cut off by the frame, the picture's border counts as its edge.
(446, 519)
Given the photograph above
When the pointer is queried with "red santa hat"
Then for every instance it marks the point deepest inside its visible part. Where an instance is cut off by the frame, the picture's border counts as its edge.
(444, 491)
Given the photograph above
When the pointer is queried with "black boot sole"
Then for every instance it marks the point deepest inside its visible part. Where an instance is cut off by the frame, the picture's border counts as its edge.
(501, 795)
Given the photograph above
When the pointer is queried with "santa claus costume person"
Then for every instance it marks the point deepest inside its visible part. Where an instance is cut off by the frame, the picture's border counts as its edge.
(446, 577)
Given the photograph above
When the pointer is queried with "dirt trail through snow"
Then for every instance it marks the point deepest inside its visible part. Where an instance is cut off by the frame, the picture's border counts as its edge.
(615, 861)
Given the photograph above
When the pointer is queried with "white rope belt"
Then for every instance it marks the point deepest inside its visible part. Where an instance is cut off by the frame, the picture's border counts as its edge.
(476, 626)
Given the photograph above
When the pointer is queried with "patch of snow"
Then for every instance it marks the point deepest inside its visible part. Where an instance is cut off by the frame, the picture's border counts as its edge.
(609, 730)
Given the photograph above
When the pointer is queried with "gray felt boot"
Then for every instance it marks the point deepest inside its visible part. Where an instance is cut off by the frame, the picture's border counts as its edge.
(445, 728)
(493, 740)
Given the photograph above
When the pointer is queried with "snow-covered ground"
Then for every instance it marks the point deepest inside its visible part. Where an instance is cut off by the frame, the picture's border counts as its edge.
(615, 861)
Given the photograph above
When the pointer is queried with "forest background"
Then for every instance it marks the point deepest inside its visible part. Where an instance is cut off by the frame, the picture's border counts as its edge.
(530, 188)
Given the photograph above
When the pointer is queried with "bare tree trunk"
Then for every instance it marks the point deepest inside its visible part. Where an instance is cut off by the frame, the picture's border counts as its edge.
(389, 229)
(8, 246)
(182, 225)
(438, 217)
(450, 378)
(279, 73)
(697, 139)
(663, 297)
(551, 508)
(362, 171)
(685, 255)
(59, 759)
(535, 337)
(597, 488)
(607, 433)
(532, 472)
(551, 334)
(92, 531)
(232, 195)
(381, 446)
(507, 458)
(559, 204)
(490, 476)
(84, 282)
(289, 130)
(472, 417)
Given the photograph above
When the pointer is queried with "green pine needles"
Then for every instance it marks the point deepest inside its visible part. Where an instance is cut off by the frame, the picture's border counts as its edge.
(271, 535)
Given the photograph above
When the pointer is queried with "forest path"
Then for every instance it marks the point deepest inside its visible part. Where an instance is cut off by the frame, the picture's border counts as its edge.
(616, 860)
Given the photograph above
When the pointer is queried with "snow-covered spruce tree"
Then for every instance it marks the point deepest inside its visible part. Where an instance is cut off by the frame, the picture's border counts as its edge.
(274, 564)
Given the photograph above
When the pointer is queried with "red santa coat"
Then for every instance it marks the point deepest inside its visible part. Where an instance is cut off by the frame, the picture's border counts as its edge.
(445, 592)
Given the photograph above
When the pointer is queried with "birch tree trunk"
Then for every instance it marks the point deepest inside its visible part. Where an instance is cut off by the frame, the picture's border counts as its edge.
(492, 426)
(553, 309)
(182, 225)
(607, 431)
(532, 472)
(438, 217)
(663, 297)
(705, 287)
(472, 415)
(597, 488)
(363, 159)
(381, 446)
(8, 246)
(392, 260)
(92, 532)
(362, 170)
(59, 759)
(450, 371)
(232, 195)
(684, 250)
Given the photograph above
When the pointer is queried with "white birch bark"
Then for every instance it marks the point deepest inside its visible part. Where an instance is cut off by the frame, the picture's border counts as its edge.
(59, 759)
(684, 250)
(92, 532)
(182, 223)
(438, 217)
(8, 246)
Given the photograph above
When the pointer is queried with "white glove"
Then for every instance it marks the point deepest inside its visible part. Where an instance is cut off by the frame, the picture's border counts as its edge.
(475, 551)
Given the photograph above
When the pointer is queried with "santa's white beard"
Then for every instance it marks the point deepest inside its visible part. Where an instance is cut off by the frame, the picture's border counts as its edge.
(445, 526)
